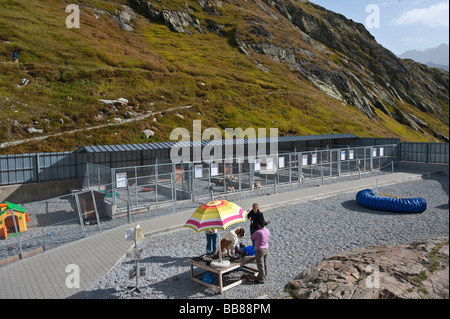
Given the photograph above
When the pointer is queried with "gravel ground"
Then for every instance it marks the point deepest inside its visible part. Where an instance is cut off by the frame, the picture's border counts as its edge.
(301, 236)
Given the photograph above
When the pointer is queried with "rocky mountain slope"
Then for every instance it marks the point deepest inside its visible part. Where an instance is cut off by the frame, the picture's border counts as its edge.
(252, 63)
(336, 54)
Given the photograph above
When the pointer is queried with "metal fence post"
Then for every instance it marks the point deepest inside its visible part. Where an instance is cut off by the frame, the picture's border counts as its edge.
(136, 181)
(38, 168)
(113, 182)
(339, 162)
(173, 180)
(251, 166)
(17, 233)
(128, 204)
(209, 182)
(290, 169)
(239, 173)
(299, 177)
(83, 231)
(191, 181)
(330, 154)
(156, 180)
(87, 175)
(96, 210)
(98, 177)
(371, 158)
(174, 171)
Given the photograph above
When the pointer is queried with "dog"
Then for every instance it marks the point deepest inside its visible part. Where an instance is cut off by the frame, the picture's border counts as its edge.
(256, 185)
(228, 242)
(230, 189)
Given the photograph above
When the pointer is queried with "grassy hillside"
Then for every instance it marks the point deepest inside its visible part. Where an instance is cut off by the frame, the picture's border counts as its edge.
(155, 69)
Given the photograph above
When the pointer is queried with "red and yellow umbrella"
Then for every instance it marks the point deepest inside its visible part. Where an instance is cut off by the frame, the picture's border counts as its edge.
(218, 214)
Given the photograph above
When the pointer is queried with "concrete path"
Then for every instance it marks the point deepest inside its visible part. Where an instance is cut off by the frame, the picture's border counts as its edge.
(49, 275)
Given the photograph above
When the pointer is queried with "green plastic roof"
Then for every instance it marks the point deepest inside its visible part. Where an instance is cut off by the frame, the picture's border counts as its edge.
(15, 207)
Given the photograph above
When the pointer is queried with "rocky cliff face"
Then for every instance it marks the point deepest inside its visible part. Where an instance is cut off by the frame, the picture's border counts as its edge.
(344, 61)
(339, 56)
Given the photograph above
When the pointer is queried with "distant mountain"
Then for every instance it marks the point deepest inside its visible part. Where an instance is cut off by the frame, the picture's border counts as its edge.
(435, 57)
(433, 65)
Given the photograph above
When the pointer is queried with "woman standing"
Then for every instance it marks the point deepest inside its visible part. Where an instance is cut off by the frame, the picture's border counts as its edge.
(255, 216)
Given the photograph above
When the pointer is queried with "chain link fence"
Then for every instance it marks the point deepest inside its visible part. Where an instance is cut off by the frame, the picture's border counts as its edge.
(111, 197)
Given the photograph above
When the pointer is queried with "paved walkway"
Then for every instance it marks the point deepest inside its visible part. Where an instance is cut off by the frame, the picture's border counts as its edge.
(44, 276)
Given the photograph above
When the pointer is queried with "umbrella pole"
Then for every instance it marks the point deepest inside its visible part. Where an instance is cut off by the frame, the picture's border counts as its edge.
(221, 263)
(219, 247)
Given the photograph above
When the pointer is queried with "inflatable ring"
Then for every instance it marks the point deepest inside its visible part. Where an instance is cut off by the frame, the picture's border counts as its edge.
(369, 199)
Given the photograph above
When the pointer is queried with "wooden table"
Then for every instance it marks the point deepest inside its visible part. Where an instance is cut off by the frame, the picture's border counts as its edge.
(240, 263)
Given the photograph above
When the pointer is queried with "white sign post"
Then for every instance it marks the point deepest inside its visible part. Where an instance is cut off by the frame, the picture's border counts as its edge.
(305, 160)
(198, 171)
(121, 180)
(135, 234)
(214, 169)
(257, 165)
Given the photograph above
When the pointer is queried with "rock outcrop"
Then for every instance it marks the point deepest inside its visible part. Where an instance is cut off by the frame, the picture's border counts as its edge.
(339, 56)
(418, 270)
(177, 20)
(342, 59)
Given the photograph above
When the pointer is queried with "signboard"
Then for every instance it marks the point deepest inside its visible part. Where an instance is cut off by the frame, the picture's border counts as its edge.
(351, 154)
(198, 171)
(304, 159)
(342, 155)
(381, 151)
(314, 159)
(121, 180)
(270, 163)
(134, 234)
(281, 163)
(257, 165)
(214, 169)
(374, 152)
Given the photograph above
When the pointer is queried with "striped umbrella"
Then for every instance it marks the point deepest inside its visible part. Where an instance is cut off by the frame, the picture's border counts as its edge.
(218, 214)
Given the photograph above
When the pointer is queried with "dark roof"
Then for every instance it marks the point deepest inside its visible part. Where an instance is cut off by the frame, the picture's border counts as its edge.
(166, 145)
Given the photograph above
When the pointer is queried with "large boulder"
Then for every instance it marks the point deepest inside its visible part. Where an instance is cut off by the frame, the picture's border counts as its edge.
(419, 270)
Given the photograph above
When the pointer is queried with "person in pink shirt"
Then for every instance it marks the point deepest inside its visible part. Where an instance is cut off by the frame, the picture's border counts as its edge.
(261, 238)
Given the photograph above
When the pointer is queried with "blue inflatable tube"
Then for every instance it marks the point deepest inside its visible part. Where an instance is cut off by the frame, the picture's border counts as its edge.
(369, 199)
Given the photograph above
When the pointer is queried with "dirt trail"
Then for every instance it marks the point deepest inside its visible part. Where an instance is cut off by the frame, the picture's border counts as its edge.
(134, 119)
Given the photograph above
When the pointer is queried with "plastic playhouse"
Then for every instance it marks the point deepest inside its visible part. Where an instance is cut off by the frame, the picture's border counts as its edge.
(7, 222)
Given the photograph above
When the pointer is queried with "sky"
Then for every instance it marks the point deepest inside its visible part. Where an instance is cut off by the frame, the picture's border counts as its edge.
(398, 25)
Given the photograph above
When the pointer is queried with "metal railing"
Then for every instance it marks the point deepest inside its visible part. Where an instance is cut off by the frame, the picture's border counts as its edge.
(110, 197)
(141, 187)
(41, 167)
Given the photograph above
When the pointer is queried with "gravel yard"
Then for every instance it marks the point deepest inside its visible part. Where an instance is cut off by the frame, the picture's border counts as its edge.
(301, 236)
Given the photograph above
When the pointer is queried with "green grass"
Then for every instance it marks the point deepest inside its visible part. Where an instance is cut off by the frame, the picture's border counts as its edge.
(155, 69)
